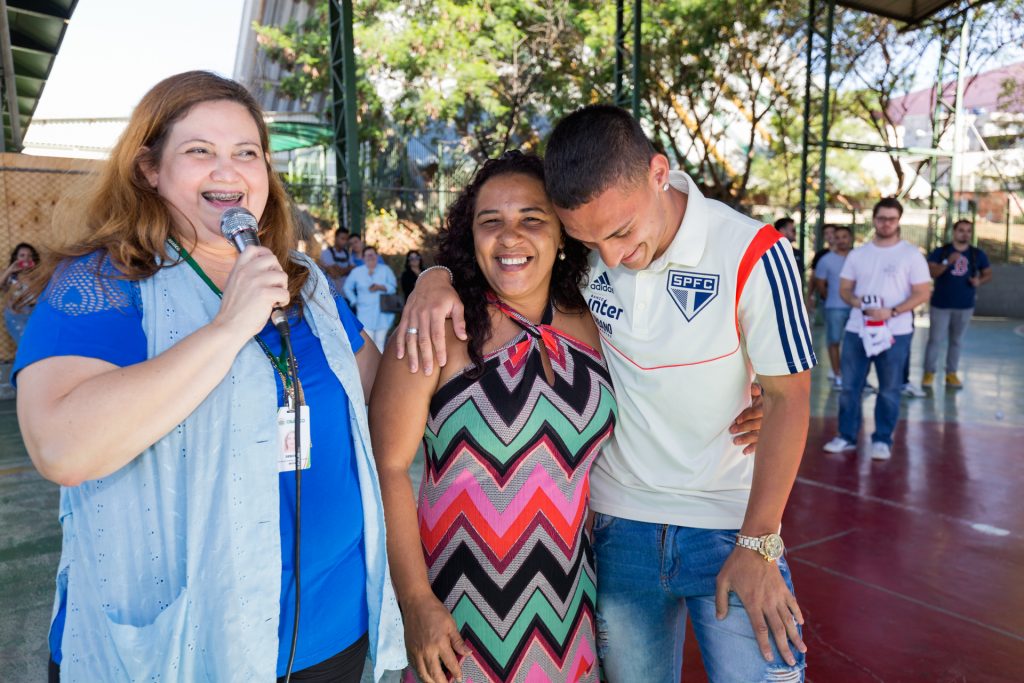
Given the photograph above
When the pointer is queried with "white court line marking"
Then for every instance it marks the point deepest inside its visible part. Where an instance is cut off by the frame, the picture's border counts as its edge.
(976, 526)
(826, 539)
(920, 603)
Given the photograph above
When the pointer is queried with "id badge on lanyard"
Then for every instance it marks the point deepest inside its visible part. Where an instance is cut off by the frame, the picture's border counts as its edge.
(286, 438)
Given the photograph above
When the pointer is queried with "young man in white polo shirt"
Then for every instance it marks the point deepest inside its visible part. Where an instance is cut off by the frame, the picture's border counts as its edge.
(884, 281)
(694, 301)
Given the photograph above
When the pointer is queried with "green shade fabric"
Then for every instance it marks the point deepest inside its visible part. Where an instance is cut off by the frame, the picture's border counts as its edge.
(289, 135)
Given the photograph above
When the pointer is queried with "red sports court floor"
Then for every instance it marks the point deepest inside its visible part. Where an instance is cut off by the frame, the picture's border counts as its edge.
(912, 570)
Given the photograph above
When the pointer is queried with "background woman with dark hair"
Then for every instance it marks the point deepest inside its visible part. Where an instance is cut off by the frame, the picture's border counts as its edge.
(151, 388)
(18, 306)
(510, 427)
(413, 268)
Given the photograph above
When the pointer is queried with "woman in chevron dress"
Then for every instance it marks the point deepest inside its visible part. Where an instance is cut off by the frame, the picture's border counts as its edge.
(494, 570)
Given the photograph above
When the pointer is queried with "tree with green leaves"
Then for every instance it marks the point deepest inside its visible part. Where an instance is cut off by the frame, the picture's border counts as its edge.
(722, 79)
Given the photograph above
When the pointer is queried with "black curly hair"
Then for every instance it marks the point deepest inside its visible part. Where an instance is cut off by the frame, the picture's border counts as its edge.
(458, 252)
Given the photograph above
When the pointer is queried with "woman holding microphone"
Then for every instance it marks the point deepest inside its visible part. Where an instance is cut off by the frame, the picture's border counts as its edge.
(154, 391)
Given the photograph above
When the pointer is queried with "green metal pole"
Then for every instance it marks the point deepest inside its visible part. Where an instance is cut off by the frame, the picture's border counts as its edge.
(958, 124)
(620, 52)
(343, 112)
(353, 171)
(937, 106)
(1009, 219)
(805, 147)
(338, 114)
(637, 54)
(825, 104)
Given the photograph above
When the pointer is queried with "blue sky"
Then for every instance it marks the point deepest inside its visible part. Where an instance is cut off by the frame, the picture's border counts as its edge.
(115, 50)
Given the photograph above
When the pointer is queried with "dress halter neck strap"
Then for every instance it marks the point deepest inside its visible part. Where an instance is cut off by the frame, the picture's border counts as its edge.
(543, 331)
(519, 318)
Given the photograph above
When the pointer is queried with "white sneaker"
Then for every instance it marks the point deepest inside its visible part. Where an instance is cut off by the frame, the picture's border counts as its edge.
(913, 391)
(831, 375)
(880, 451)
(838, 445)
(837, 382)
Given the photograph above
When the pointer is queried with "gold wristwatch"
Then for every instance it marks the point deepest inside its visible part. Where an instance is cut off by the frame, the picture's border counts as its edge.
(770, 546)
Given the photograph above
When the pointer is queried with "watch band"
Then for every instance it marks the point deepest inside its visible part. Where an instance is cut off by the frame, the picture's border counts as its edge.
(749, 542)
(769, 546)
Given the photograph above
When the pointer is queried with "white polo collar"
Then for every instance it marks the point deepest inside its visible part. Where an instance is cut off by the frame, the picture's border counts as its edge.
(687, 247)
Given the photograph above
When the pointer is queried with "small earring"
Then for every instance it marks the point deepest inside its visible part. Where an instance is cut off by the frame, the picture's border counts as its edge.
(664, 188)
(561, 254)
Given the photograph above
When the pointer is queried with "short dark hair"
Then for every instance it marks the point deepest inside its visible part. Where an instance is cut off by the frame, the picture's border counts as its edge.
(785, 220)
(457, 251)
(845, 228)
(887, 203)
(592, 149)
(964, 220)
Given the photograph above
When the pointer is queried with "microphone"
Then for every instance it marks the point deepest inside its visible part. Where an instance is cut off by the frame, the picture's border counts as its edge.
(239, 227)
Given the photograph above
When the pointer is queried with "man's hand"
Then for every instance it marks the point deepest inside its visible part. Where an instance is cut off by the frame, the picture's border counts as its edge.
(764, 594)
(878, 313)
(430, 304)
(975, 281)
(747, 425)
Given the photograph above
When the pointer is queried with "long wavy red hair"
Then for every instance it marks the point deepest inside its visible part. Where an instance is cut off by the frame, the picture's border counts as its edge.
(123, 214)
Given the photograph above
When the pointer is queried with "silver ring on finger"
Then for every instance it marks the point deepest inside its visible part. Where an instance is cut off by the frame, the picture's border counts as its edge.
(412, 330)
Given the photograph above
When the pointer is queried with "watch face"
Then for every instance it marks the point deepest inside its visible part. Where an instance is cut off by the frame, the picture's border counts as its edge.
(773, 546)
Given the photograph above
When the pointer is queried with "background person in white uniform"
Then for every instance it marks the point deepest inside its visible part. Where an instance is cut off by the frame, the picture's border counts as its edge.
(363, 289)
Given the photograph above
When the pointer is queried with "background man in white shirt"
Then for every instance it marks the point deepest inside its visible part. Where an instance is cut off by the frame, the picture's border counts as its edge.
(883, 280)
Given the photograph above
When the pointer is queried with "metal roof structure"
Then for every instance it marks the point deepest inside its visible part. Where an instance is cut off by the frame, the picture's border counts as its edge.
(31, 32)
(910, 11)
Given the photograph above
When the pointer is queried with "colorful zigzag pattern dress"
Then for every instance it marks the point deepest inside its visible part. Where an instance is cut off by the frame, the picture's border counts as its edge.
(503, 503)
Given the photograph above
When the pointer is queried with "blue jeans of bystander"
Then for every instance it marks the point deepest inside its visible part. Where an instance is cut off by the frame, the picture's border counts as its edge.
(889, 367)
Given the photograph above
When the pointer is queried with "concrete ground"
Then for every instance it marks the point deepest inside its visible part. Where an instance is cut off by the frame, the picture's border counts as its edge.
(906, 570)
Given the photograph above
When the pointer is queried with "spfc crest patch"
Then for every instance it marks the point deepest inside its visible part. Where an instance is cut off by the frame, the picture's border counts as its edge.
(692, 292)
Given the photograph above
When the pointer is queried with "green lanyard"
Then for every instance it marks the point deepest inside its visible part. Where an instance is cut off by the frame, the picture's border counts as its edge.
(280, 363)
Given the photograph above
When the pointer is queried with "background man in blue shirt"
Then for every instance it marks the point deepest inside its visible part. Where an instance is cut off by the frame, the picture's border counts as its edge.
(958, 270)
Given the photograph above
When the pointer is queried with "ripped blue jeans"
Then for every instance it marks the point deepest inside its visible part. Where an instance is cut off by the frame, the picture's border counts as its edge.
(648, 577)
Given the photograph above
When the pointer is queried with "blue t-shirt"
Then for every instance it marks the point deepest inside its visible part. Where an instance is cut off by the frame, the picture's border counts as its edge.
(70, 321)
(828, 269)
(953, 288)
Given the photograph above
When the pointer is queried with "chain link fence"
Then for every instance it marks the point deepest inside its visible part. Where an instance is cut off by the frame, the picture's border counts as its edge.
(31, 188)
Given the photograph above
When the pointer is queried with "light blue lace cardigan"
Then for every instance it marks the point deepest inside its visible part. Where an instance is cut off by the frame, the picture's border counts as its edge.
(171, 566)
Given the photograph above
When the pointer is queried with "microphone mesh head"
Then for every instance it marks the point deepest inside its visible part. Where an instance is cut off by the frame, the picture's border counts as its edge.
(235, 220)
